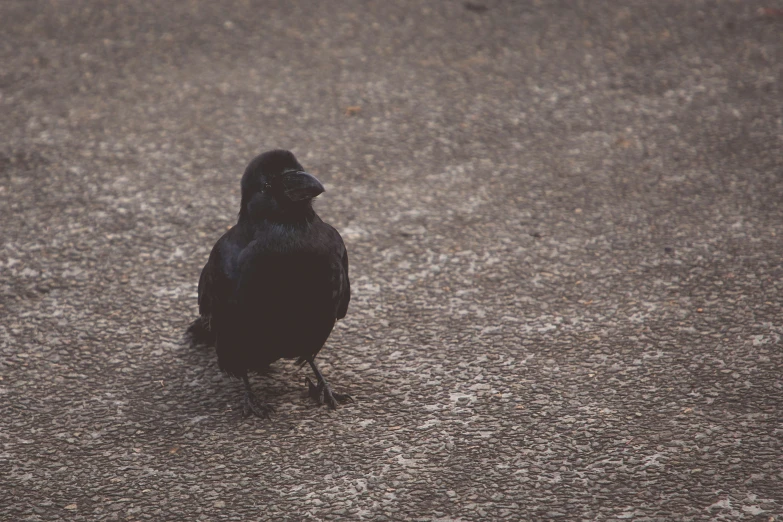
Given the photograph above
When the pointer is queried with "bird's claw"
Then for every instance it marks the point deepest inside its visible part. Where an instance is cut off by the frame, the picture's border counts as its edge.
(252, 405)
(323, 393)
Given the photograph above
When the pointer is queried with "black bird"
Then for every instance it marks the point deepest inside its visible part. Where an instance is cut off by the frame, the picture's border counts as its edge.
(276, 282)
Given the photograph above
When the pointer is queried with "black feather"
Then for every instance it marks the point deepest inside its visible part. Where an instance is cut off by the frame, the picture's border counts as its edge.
(277, 281)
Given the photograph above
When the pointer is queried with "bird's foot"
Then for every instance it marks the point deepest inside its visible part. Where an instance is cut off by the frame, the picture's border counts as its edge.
(250, 404)
(323, 393)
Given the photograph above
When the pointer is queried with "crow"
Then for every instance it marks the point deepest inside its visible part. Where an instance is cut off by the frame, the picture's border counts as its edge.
(274, 284)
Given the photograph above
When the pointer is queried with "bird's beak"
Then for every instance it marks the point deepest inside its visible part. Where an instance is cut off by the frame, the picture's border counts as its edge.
(299, 186)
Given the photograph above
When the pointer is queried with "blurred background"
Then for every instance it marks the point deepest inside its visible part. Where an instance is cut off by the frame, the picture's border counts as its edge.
(564, 221)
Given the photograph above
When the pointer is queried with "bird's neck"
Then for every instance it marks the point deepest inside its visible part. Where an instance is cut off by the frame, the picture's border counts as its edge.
(301, 215)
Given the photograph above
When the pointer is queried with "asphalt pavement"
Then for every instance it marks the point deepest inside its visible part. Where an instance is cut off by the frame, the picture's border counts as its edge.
(565, 226)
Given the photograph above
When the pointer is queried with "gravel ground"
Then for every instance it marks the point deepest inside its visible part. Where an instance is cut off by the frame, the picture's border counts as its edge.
(565, 222)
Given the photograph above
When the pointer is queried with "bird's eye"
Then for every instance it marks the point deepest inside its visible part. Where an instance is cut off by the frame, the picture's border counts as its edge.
(266, 186)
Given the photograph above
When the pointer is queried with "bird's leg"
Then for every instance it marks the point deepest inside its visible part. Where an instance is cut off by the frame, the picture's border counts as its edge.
(321, 391)
(250, 404)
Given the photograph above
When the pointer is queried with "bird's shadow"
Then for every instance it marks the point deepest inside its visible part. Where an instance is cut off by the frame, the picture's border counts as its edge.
(193, 387)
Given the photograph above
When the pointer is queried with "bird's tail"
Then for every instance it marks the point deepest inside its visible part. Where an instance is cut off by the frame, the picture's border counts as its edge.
(200, 333)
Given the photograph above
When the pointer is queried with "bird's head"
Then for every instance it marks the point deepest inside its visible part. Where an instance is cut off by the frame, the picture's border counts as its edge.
(275, 186)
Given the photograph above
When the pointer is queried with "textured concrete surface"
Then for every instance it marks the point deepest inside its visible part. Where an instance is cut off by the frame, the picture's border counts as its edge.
(565, 222)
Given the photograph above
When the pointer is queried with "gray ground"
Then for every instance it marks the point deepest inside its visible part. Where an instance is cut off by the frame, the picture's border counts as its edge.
(565, 222)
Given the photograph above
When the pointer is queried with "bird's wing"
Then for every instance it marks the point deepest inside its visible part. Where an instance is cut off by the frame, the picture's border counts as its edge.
(343, 285)
(215, 286)
(210, 274)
